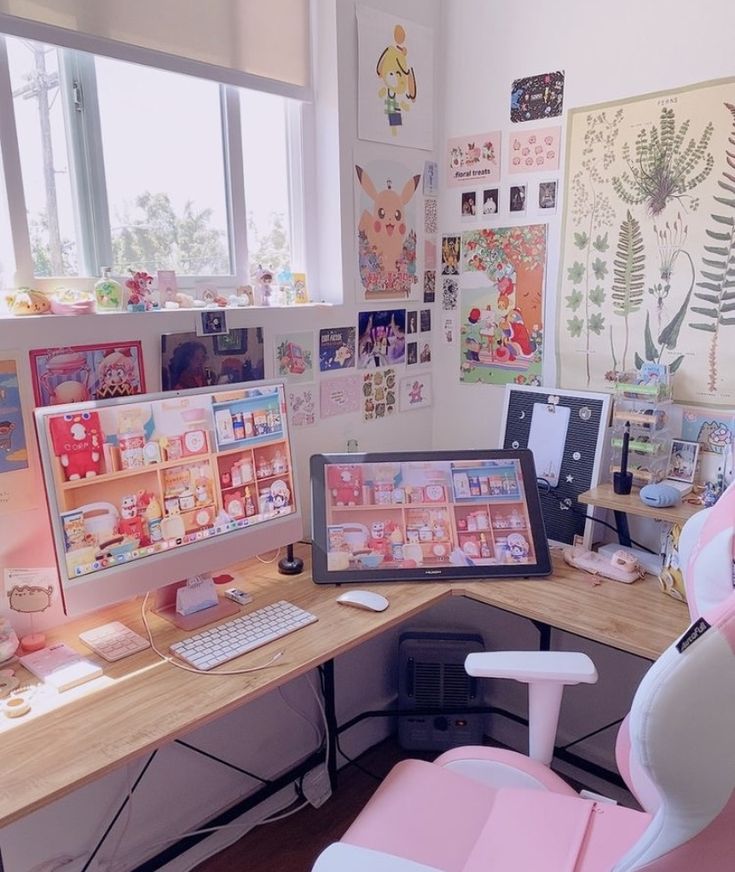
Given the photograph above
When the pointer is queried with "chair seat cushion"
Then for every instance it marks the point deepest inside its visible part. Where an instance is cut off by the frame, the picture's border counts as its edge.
(431, 815)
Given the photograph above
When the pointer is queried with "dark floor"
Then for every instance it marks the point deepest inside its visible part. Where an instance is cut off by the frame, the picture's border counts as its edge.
(293, 844)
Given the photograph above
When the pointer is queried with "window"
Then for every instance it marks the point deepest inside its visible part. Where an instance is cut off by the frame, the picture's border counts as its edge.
(140, 168)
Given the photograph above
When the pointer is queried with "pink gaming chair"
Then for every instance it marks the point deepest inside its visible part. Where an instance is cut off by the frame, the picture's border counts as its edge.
(490, 810)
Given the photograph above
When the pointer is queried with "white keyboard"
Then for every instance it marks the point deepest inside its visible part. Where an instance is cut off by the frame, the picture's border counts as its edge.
(233, 638)
(114, 641)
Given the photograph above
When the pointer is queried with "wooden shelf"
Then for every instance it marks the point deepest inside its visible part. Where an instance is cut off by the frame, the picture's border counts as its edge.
(137, 470)
(605, 497)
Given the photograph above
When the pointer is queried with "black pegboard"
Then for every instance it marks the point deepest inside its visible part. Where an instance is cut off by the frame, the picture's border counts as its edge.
(586, 434)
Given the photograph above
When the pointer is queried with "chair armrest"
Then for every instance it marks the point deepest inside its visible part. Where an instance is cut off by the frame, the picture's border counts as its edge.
(341, 857)
(546, 673)
(565, 667)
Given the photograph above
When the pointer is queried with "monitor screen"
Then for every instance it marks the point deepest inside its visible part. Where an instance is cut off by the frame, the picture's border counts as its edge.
(426, 516)
(147, 490)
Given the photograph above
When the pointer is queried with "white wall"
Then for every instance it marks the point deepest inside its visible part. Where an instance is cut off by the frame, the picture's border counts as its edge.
(607, 52)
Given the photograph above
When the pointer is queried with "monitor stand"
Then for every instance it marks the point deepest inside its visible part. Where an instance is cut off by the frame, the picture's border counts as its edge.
(165, 606)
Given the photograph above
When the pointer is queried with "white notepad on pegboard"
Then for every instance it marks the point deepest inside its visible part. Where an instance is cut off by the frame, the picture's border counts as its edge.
(61, 666)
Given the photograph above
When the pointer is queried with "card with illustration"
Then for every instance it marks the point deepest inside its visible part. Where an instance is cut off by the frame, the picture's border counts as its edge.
(714, 431)
(429, 286)
(379, 393)
(535, 97)
(683, 460)
(430, 253)
(431, 178)
(534, 151)
(301, 401)
(191, 361)
(339, 395)
(294, 356)
(547, 196)
(336, 348)
(415, 392)
(451, 252)
(472, 159)
(73, 374)
(450, 294)
(431, 219)
(490, 200)
(17, 491)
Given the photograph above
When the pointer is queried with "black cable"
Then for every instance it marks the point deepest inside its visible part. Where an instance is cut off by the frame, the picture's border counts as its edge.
(354, 762)
(545, 487)
(590, 735)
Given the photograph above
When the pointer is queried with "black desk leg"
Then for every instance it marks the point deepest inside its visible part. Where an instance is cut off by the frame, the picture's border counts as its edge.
(544, 635)
(621, 522)
(331, 717)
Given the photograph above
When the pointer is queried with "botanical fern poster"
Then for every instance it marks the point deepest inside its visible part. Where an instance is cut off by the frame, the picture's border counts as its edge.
(648, 243)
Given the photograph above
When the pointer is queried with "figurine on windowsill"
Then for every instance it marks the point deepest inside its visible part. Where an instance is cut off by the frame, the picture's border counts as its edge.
(139, 291)
(264, 289)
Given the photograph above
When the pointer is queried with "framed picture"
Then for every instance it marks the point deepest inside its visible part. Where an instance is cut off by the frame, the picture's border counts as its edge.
(683, 460)
(212, 323)
(77, 373)
(191, 361)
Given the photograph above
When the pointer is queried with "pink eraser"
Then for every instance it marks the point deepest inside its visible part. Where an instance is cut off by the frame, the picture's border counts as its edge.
(33, 642)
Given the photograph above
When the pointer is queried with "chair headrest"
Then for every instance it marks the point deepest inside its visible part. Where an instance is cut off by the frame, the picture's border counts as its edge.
(707, 553)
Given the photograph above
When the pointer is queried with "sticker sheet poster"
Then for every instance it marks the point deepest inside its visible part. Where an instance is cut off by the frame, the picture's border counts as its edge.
(472, 159)
(501, 322)
(395, 80)
(647, 246)
(387, 224)
(535, 97)
(534, 151)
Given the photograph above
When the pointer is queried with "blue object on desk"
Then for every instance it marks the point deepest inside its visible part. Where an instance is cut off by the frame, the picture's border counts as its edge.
(660, 495)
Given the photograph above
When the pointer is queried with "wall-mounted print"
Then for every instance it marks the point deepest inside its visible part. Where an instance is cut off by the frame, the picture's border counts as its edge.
(517, 199)
(431, 221)
(76, 373)
(211, 322)
(191, 361)
(415, 392)
(17, 491)
(340, 395)
(429, 286)
(647, 245)
(301, 403)
(547, 194)
(425, 320)
(336, 348)
(451, 250)
(387, 228)
(450, 294)
(683, 460)
(395, 88)
(473, 159)
(536, 97)
(412, 321)
(502, 325)
(430, 253)
(490, 201)
(381, 338)
(431, 178)
(379, 394)
(468, 204)
(534, 151)
(294, 356)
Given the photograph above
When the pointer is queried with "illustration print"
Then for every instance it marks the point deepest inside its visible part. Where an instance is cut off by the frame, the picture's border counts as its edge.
(534, 151)
(647, 247)
(473, 159)
(537, 96)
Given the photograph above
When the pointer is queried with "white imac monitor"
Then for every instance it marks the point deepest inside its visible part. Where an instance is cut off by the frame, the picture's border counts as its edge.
(149, 490)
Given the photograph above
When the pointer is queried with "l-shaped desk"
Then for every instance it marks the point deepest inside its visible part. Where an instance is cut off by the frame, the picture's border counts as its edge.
(137, 706)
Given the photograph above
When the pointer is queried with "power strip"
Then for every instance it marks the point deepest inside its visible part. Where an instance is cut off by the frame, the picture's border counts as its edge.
(316, 787)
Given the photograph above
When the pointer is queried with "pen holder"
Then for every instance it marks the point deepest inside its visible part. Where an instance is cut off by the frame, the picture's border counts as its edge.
(622, 482)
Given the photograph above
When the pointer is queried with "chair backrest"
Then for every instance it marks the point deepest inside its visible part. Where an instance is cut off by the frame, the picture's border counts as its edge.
(680, 762)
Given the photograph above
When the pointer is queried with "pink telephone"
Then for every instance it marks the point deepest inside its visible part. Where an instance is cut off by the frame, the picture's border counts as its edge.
(622, 566)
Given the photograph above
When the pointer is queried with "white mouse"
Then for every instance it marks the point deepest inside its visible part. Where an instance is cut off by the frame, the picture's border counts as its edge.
(363, 599)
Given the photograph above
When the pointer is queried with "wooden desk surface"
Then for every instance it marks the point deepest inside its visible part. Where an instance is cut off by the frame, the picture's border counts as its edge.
(143, 703)
(604, 496)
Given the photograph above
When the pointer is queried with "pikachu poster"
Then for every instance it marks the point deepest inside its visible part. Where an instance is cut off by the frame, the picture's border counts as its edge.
(388, 206)
(395, 80)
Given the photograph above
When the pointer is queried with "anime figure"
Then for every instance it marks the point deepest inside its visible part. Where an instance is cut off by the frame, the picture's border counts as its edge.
(518, 547)
(130, 523)
(385, 228)
(378, 541)
(398, 79)
(264, 289)
(77, 442)
(115, 376)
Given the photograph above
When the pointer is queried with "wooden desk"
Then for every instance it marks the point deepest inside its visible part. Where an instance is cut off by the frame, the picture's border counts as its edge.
(143, 703)
(604, 496)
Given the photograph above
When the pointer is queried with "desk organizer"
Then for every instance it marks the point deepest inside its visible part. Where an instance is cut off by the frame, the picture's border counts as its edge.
(647, 408)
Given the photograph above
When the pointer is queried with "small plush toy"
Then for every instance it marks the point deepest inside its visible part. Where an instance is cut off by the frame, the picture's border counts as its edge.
(345, 485)
(77, 440)
(130, 523)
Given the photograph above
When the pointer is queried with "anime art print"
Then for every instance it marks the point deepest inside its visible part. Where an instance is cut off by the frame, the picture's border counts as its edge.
(537, 97)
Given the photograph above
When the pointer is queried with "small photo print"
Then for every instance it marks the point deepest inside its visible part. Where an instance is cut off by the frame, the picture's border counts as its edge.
(212, 323)
(412, 353)
(429, 286)
(490, 201)
(547, 196)
(469, 204)
(424, 352)
(517, 198)
(431, 178)
(451, 250)
(683, 460)
(450, 292)
(412, 321)
(425, 320)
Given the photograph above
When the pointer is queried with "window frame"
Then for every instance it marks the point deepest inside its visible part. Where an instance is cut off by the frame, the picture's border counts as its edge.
(78, 92)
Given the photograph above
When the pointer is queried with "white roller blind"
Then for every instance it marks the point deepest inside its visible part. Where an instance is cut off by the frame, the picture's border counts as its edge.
(237, 39)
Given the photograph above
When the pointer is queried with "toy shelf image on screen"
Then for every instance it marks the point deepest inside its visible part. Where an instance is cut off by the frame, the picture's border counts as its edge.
(392, 517)
(134, 480)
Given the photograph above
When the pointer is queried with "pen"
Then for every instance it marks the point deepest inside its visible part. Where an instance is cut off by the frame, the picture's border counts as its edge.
(624, 455)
